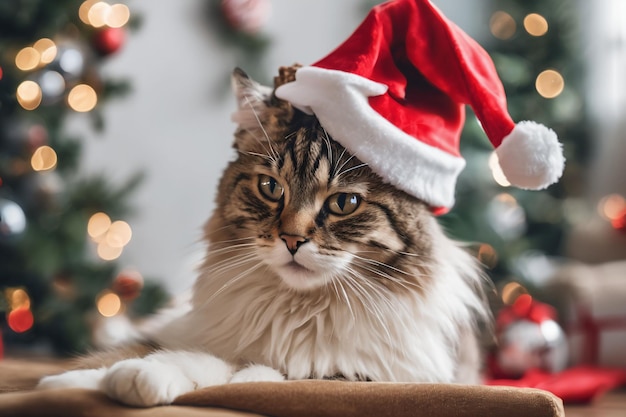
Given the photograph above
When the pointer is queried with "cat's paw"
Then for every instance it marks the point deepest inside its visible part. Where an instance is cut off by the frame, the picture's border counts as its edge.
(145, 383)
(257, 373)
(82, 378)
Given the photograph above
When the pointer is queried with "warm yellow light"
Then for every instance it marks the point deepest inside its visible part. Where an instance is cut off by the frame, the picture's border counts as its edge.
(98, 14)
(119, 234)
(82, 98)
(535, 24)
(27, 59)
(18, 298)
(29, 95)
(83, 10)
(502, 25)
(119, 15)
(511, 291)
(98, 225)
(549, 84)
(108, 253)
(47, 50)
(496, 170)
(487, 255)
(108, 304)
(612, 206)
(44, 158)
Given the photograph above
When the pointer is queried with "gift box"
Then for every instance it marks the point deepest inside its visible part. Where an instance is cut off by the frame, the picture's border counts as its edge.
(591, 300)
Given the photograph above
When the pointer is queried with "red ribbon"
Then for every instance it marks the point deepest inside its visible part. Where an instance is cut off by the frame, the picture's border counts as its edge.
(591, 328)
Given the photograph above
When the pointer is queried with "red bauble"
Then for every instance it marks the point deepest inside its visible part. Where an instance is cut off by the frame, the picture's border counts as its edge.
(128, 285)
(109, 40)
(20, 319)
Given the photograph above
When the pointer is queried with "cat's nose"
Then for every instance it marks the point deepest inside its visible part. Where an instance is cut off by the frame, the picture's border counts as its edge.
(293, 242)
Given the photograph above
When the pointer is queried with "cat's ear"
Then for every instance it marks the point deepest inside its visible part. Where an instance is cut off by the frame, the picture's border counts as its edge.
(249, 93)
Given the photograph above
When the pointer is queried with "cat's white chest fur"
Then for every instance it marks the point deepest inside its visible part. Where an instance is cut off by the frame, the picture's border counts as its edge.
(360, 334)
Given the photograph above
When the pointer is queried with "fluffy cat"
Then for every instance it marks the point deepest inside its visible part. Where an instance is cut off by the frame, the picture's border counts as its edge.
(315, 268)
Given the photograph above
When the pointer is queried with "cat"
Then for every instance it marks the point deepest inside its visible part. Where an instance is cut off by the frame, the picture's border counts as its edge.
(316, 268)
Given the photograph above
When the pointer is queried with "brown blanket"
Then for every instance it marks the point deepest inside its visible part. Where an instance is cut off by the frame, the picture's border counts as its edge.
(280, 399)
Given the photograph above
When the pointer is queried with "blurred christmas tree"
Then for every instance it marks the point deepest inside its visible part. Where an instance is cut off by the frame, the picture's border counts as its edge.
(52, 279)
(535, 47)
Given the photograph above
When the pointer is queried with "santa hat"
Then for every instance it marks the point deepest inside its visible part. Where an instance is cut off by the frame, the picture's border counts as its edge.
(394, 95)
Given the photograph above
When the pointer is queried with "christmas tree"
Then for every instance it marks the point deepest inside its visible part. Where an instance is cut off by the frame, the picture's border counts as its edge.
(534, 46)
(61, 234)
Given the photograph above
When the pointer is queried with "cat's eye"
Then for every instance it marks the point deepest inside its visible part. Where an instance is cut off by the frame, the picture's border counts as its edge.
(270, 188)
(343, 203)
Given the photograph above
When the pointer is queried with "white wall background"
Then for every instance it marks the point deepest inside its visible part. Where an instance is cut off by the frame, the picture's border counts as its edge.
(176, 128)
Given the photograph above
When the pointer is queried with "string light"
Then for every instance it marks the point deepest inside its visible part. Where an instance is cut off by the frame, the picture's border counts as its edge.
(29, 95)
(98, 14)
(47, 50)
(98, 225)
(108, 303)
(511, 292)
(118, 16)
(44, 158)
(535, 24)
(83, 10)
(82, 98)
(496, 171)
(502, 25)
(27, 58)
(119, 234)
(18, 298)
(549, 84)
(111, 237)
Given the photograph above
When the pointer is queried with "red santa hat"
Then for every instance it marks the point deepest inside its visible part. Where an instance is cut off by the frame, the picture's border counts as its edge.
(394, 95)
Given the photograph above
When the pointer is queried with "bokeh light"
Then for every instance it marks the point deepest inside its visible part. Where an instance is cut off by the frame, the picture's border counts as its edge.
(108, 253)
(27, 58)
(98, 225)
(502, 25)
(511, 291)
(535, 24)
(98, 14)
(47, 50)
(487, 255)
(18, 298)
(119, 234)
(83, 10)
(44, 158)
(118, 16)
(108, 304)
(612, 206)
(496, 171)
(82, 98)
(549, 84)
(29, 95)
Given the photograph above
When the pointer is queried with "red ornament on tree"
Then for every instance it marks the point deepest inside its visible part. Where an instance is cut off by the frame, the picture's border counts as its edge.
(128, 285)
(246, 15)
(20, 319)
(109, 40)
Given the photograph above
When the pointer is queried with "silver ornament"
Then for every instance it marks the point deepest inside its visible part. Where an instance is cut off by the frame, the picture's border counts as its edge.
(524, 345)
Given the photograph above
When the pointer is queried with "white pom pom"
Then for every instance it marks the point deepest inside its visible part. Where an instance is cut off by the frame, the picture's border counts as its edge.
(531, 156)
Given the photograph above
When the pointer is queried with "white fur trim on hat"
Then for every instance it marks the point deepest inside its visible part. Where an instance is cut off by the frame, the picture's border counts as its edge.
(340, 102)
(531, 156)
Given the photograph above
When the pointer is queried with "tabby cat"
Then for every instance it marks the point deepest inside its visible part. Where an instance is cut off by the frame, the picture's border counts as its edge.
(316, 268)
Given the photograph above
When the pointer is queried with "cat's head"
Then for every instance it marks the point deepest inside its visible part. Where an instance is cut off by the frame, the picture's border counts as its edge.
(297, 202)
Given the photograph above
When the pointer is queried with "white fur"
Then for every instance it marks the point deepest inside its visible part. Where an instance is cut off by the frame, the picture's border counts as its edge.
(531, 156)
(257, 373)
(260, 318)
(404, 161)
(82, 378)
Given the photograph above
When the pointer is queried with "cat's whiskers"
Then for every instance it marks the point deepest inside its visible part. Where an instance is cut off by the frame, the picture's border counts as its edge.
(345, 297)
(337, 171)
(235, 279)
(269, 141)
(260, 155)
(408, 285)
(227, 264)
(351, 169)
